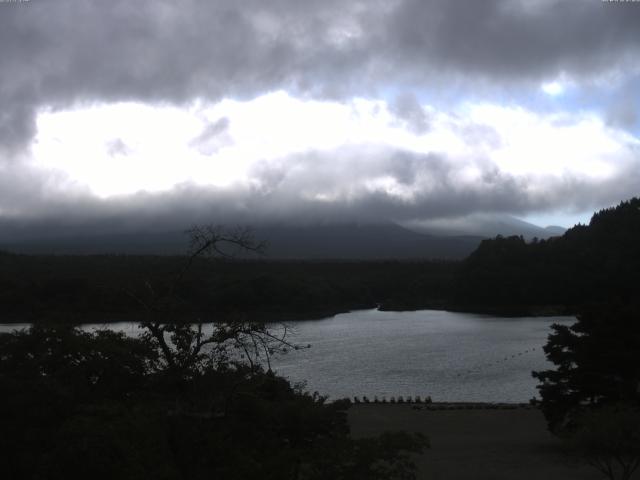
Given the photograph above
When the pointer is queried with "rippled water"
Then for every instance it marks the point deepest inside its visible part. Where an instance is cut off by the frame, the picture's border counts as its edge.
(449, 356)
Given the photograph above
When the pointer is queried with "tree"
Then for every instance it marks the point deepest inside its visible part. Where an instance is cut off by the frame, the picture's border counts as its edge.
(599, 262)
(180, 402)
(186, 346)
(596, 363)
(592, 398)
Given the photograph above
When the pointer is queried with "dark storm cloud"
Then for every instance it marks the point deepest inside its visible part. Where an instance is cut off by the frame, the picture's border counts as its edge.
(56, 53)
(514, 39)
(28, 195)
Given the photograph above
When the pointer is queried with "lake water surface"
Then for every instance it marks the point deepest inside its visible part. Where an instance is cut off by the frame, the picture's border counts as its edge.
(449, 356)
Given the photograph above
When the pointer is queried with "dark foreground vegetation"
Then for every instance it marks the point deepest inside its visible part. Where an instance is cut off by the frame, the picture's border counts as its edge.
(103, 406)
(591, 398)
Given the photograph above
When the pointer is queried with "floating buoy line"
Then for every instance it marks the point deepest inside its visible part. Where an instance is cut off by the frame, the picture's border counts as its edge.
(506, 359)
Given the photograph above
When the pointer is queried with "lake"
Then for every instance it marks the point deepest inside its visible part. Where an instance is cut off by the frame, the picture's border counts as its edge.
(448, 356)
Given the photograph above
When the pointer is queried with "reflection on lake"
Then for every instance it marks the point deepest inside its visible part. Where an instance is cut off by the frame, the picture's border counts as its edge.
(449, 356)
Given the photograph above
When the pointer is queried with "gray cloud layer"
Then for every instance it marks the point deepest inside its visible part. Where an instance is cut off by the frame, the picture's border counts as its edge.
(286, 192)
(56, 54)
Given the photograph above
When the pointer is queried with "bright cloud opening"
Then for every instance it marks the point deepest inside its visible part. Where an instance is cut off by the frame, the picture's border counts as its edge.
(128, 147)
(553, 88)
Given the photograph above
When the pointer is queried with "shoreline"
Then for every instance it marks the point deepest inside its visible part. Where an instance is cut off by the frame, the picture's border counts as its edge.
(434, 406)
(75, 318)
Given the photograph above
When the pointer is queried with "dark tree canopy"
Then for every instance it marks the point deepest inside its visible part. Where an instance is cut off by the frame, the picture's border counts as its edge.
(597, 363)
(595, 263)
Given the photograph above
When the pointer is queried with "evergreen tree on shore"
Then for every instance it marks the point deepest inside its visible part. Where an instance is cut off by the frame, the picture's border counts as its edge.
(596, 363)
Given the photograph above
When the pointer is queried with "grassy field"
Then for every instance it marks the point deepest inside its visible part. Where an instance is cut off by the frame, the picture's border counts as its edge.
(478, 444)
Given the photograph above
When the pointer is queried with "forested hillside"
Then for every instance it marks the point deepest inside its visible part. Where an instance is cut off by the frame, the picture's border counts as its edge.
(589, 263)
(104, 287)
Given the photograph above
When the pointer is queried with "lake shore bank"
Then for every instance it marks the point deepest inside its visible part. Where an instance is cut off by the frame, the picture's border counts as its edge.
(475, 443)
(75, 318)
(496, 310)
(275, 316)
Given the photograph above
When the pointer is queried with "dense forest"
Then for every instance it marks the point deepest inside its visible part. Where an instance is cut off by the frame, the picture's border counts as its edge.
(505, 275)
(99, 288)
(588, 264)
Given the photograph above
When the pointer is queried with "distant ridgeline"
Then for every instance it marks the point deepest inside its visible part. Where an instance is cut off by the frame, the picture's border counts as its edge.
(594, 263)
(588, 264)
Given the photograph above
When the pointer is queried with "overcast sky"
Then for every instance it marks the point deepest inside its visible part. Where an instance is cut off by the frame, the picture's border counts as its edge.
(161, 113)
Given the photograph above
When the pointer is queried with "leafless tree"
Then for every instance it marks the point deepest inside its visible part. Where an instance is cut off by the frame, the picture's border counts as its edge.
(188, 346)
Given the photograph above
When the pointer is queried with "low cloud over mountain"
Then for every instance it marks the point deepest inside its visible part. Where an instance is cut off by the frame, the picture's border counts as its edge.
(126, 116)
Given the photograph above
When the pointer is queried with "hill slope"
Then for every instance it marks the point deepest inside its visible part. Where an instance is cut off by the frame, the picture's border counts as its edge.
(331, 241)
(486, 225)
(589, 263)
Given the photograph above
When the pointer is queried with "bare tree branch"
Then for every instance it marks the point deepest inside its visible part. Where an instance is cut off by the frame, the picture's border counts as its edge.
(185, 346)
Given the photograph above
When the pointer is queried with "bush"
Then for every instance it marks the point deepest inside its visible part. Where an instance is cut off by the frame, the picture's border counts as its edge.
(102, 406)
